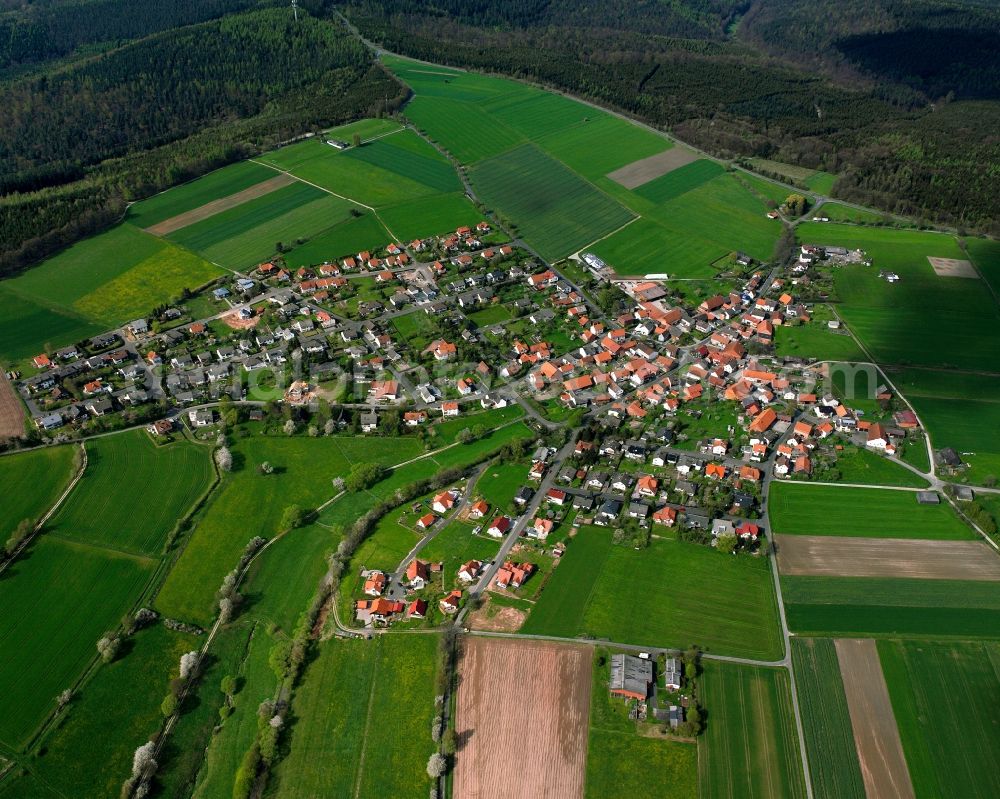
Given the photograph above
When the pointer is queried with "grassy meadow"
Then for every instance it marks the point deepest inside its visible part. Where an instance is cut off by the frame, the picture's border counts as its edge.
(32, 482)
(343, 239)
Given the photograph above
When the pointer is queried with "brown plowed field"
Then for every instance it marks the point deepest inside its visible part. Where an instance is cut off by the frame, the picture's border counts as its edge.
(522, 717)
(876, 737)
(11, 410)
(646, 169)
(218, 206)
(835, 556)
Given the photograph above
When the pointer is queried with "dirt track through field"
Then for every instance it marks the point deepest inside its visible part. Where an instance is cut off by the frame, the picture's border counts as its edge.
(646, 169)
(522, 718)
(11, 410)
(218, 206)
(835, 556)
(876, 737)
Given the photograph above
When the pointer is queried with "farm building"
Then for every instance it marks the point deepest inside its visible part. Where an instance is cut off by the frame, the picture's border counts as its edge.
(630, 677)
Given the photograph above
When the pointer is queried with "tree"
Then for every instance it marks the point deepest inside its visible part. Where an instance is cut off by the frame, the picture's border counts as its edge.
(313, 431)
(228, 686)
(169, 705)
(356, 139)
(224, 459)
(795, 204)
(464, 436)
(362, 476)
(108, 646)
(436, 766)
(64, 698)
(188, 665)
(330, 427)
(293, 518)
(289, 427)
(726, 543)
(21, 532)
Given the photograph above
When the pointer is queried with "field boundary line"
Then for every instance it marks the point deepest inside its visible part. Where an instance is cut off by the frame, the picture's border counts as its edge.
(368, 719)
(635, 218)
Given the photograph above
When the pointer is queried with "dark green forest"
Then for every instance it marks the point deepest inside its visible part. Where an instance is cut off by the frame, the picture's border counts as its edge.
(83, 139)
(897, 97)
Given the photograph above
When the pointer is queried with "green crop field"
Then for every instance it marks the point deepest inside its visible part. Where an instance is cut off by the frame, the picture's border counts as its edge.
(591, 592)
(816, 340)
(196, 193)
(343, 239)
(91, 752)
(679, 181)
(904, 608)
(464, 129)
(821, 182)
(363, 712)
(985, 256)
(28, 327)
(32, 482)
(67, 595)
(407, 155)
(803, 509)
(826, 722)
(602, 144)
(749, 747)
(431, 216)
(554, 209)
(367, 129)
(647, 247)
(861, 465)
(538, 113)
(836, 212)
(133, 493)
(304, 468)
(945, 699)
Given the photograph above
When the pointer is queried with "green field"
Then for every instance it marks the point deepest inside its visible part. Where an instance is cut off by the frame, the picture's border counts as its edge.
(679, 181)
(554, 209)
(103, 281)
(985, 256)
(363, 715)
(836, 212)
(749, 747)
(945, 699)
(647, 247)
(593, 592)
(89, 753)
(66, 595)
(861, 465)
(343, 239)
(500, 482)
(803, 509)
(833, 760)
(602, 144)
(304, 468)
(32, 482)
(407, 155)
(816, 340)
(431, 216)
(860, 606)
(196, 193)
(113, 505)
(464, 129)
(456, 545)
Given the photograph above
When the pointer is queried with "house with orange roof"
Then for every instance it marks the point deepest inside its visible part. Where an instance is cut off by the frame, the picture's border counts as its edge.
(417, 609)
(375, 583)
(449, 409)
(666, 516)
(540, 528)
(444, 501)
(647, 486)
(715, 471)
(763, 421)
(414, 418)
(426, 521)
(418, 572)
(451, 603)
(470, 570)
(513, 575)
(479, 509)
(377, 610)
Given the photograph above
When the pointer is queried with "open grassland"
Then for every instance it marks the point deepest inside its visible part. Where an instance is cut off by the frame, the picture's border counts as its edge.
(66, 595)
(133, 493)
(892, 318)
(343, 239)
(188, 196)
(447, 431)
(816, 340)
(803, 509)
(836, 212)
(554, 209)
(679, 181)
(360, 713)
(749, 747)
(32, 482)
(500, 482)
(593, 595)
(304, 468)
(945, 698)
(896, 607)
(431, 216)
(367, 129)
(90, 753)
(833, 760)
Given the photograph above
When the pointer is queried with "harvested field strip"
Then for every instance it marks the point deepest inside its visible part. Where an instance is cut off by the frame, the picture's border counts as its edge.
(945, 698)
(877, 557)
(680, 181)
(804, 509)
(749, 748)
(218, 206)
(644, 170)
(507, 687)
(11, 410)
(833, 759)
(876, 737)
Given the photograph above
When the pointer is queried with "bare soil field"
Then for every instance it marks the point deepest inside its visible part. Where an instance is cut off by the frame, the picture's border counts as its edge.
(522, 719)
(876, 737)
(953, 267)
(834, 556)
(646, 169)
(497, 619)
(218, 206)
(11, 410)
(233, 320)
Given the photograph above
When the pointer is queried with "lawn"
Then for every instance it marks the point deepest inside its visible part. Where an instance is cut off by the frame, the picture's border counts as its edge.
(553, 208)
(91, 752)
(430, 216)
(803, 509)
(456, 545)
(196, 193)
(500, 482)
(833, 760)
(749, 747)
(343, 239)
(816, 340)
(588, 596)
(490, 316)
(836, 212)
(861, 465)
(905, 608)
(362, 720)
(32, 482)
(121, 470)
(447, 431)
(945, 698)
(66, 595)
(304, 468)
